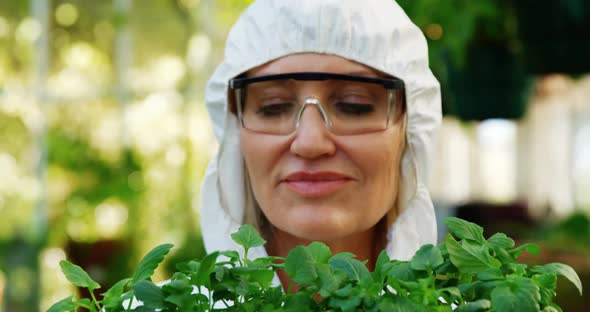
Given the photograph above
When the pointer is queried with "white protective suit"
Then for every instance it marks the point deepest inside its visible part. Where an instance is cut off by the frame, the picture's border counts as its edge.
(376, 33)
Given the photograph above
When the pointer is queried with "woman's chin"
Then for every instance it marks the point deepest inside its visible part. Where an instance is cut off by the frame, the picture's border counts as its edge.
(325, 223)
(321, 231)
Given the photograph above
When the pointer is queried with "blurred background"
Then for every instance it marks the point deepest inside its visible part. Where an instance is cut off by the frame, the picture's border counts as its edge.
(104, 137)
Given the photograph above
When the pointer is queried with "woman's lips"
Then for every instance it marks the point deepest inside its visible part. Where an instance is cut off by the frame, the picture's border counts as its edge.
(316, 184)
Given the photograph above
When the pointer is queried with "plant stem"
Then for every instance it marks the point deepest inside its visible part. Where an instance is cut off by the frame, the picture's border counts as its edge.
(211, 303)
(129, 304)
(245, 257)
(94, 300)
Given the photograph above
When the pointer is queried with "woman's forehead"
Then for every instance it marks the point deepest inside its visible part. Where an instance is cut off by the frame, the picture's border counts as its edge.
(313, 62)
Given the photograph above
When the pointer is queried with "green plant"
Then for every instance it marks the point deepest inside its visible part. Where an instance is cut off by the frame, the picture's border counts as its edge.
(465, 273)
(571, 234)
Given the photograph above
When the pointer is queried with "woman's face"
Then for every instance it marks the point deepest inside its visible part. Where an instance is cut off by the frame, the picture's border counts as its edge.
(313, 184)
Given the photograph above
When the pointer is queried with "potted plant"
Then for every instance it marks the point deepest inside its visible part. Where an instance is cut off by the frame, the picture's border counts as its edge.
(465, 273)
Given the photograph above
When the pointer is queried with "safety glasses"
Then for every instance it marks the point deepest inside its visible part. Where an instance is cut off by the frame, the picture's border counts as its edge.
(348, 104)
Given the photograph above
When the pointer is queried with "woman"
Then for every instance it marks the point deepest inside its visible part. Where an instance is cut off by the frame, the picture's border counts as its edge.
(325, 112)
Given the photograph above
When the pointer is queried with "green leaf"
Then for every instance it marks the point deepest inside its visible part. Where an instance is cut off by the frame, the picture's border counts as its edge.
(443, 250)
(469, 257)
(248, 237)
(382, 267)
(261, 276)
(354, 269)
(530, 248)
(481, 305)
(219, 272)
(181, 297)
(500, 240)
(112, 297)
(518, 294)
(563, 270)
(428, 257)
(150, 262)
(452, 292)
(447, 268)
(183, 301)
(276, 296)
(150, 294)
(397, 304)
(346, 304)
(205, 269)
(191, 266)
(519, 269)
(546, 280)
(329, 282)
(63, 305)
(231, 254)
(300, 265)
(127, 297)
(547, 283)
(320, 252)
(77, 276)
(86, 304)
(299, 302)
(177, 286)
(503, 255)
(345, 291)
(268, 263)
(490, 275)
(464, 229)
(470, 291)
(402, 271)
(243, 288)
(382, 260)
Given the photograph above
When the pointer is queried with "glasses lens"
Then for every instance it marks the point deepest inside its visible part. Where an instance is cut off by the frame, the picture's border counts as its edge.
(270, 106)
(356, 107)
(352, 107)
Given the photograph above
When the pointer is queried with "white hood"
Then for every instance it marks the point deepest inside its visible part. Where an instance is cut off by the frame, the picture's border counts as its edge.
(376, 33)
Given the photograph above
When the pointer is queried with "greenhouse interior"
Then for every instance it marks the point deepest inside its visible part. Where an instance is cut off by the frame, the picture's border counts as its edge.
(105, 137)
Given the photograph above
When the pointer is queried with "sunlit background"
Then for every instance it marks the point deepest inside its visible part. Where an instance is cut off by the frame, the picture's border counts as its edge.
(104, 136)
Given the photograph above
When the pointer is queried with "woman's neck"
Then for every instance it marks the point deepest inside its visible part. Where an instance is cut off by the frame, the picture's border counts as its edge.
(362, 245)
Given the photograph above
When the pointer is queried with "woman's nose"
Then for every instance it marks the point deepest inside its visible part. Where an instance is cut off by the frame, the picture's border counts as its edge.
(312, 137)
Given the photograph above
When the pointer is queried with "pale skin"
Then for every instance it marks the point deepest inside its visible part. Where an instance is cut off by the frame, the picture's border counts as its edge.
(345, 219)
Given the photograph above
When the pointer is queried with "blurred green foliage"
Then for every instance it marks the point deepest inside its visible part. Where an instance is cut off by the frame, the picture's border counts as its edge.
(461, 23)
(571, 234)
(474, 52)
(123, 172)
(565, 240)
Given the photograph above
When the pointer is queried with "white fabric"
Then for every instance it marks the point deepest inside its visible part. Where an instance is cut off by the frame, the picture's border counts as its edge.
(376, 33)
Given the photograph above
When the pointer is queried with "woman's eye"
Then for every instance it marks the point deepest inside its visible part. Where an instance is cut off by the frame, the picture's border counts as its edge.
(355, 108)
(274, 110)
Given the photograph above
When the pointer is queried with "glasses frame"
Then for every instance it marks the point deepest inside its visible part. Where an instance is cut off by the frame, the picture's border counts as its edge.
(239, 84)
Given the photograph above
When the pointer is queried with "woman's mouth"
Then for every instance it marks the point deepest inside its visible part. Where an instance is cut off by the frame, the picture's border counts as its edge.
(316, 184)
